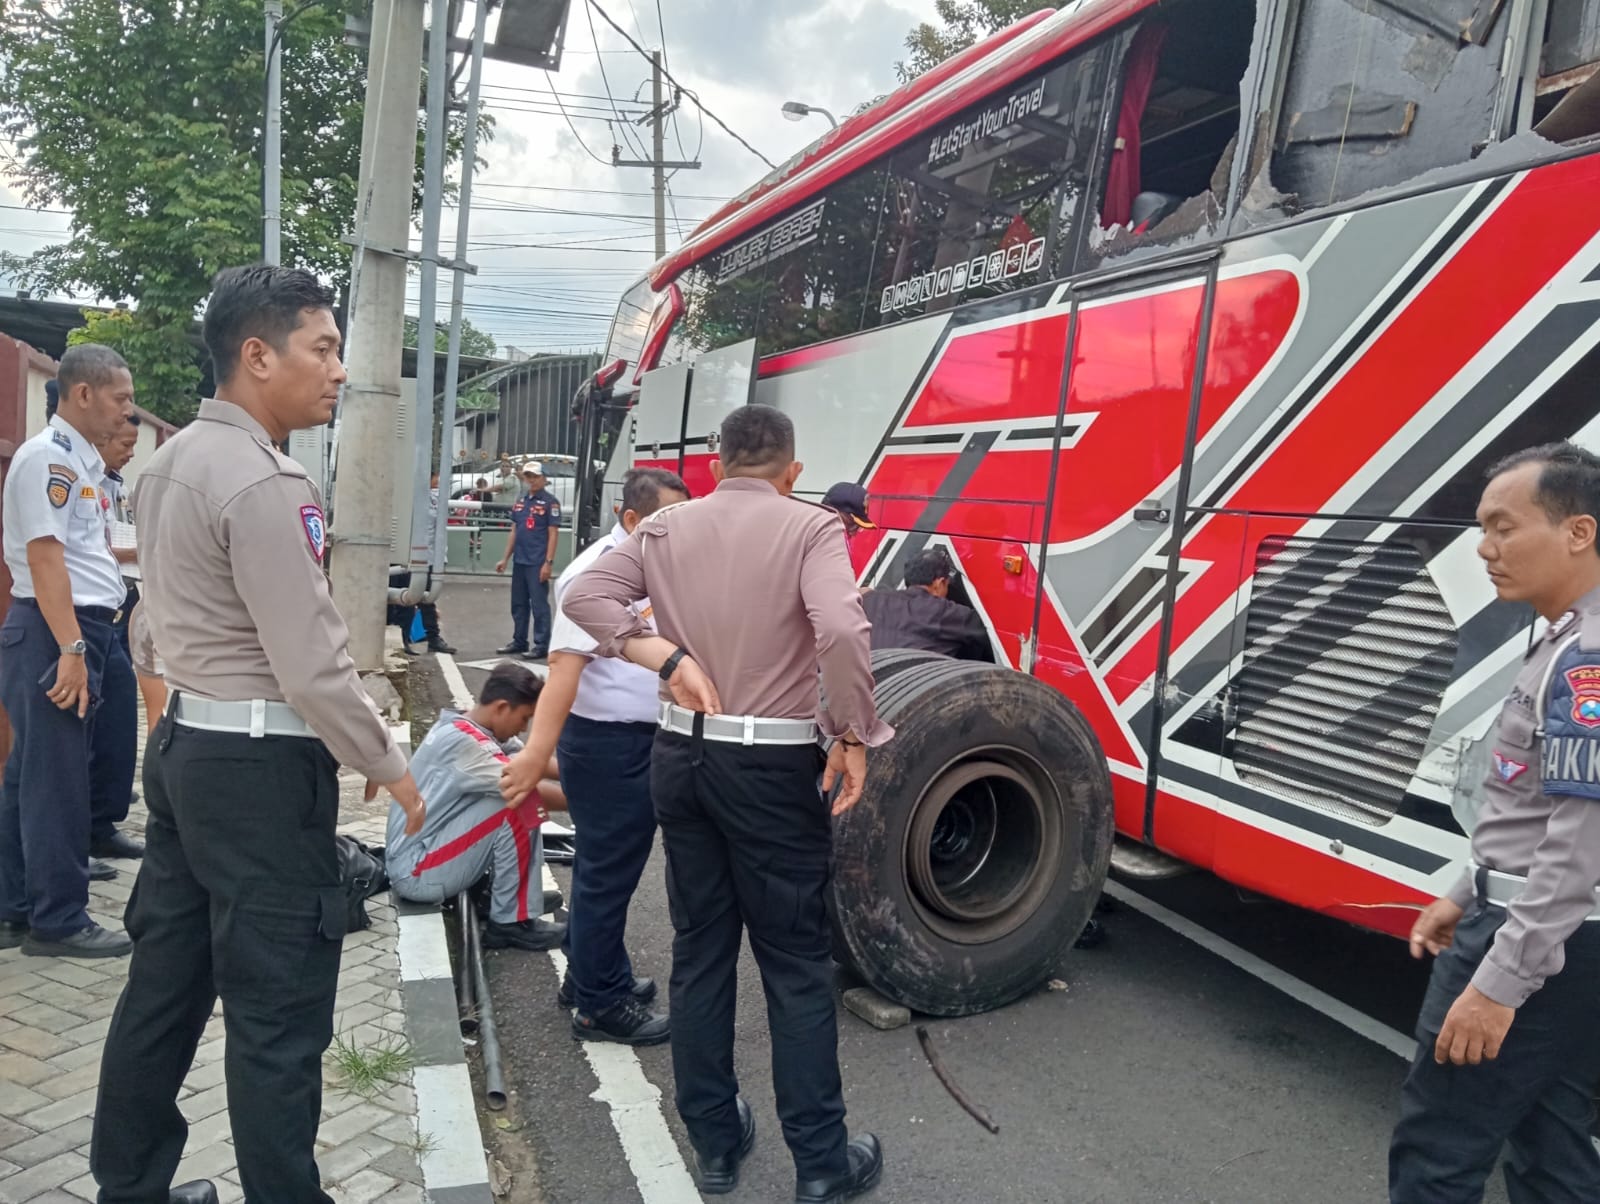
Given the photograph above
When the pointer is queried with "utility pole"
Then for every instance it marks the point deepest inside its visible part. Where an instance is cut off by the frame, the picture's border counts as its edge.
(659, 150)
(272, 137)
(363, 513)
(660, 110)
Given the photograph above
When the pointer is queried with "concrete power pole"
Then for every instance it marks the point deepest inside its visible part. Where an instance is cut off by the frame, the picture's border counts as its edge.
(660, 110)
(658, 150)
(363, 512)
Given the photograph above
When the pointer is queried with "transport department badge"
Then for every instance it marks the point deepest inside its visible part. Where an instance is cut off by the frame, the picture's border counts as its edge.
(317, 532)
(1585, 683)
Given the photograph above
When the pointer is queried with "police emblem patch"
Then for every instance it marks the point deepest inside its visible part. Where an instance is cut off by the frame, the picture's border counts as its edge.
(1585, 683)
(316, 530)
(58, 489)
(1506, 769)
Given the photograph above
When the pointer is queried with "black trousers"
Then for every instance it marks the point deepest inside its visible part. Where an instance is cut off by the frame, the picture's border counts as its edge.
(748, 841)
(238, 896)
(605, 772)
(1537, 1096)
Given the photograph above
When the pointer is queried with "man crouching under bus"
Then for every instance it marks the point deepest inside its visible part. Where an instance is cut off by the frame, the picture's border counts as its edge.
(470, 830)
(1508, 1044)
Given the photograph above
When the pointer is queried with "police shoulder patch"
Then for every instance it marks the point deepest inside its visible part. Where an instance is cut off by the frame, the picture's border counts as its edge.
(57, 489)
(315, 528)
(1570, 758)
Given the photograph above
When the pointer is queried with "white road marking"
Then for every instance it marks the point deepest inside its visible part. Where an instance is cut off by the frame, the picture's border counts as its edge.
(536, 668)
(459, 694)
(635, 1106)
(1356, 1021)
(446, 1104)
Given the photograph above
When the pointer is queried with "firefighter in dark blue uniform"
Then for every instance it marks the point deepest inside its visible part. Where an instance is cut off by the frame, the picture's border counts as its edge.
(531, 552)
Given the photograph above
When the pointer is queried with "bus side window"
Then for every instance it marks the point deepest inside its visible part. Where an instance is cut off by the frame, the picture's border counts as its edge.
(1377, 94)
(1178, 95)
(1567, 106)
(992, 200)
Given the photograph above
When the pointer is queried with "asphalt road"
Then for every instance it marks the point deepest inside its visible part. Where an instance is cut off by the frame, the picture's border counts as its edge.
(1162, 1072)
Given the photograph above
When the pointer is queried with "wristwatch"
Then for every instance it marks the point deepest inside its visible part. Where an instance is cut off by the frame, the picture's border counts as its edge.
(76, 648)
(670, 665)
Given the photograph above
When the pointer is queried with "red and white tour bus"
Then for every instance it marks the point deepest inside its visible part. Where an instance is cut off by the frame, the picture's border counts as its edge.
(1188, 328)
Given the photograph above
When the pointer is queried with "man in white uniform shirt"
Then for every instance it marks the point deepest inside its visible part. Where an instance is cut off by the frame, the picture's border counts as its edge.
(604, 711)
(66, 596)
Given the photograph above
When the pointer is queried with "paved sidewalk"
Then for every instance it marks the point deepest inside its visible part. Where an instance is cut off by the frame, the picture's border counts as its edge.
(54, 1014)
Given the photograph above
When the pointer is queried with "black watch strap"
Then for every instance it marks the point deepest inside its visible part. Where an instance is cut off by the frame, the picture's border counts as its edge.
(670, 665)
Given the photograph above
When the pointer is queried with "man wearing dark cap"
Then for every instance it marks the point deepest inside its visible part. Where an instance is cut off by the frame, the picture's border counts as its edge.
(849, 501)
(733, 774)
(922, 615)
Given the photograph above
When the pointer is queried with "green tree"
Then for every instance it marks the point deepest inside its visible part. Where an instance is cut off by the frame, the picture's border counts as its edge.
(963, 23)
(143, 118)
(474, 342)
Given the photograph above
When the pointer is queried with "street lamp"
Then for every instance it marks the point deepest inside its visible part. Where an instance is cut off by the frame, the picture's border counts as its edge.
(794, 110)
(272, 128)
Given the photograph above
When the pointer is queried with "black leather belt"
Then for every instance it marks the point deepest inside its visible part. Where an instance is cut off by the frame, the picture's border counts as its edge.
(95, 614)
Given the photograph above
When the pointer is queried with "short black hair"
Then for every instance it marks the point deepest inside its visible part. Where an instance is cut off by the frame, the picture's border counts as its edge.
(642, 489)
(930, 566)
(257, 302)
(757, 441)
(1569, 480)
(92, 364)
(510, 683)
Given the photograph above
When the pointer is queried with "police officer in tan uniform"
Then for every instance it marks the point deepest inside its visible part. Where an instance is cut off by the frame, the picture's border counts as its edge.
(239, 894)
(1509, 1035)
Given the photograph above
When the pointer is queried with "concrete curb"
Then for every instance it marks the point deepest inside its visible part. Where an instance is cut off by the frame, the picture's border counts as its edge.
(455, 1169)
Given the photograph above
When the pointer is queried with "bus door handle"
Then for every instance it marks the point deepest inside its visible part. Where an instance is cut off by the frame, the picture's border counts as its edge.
(1152, 514)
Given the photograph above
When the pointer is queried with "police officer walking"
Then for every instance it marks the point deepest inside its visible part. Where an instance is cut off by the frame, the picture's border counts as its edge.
(1509, 1047)
(239, 894)
(752, 594)
(603, 711)
(55, 646)
(531, 551)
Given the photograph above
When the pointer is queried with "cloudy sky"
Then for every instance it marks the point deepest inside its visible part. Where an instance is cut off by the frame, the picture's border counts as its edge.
(558, 233)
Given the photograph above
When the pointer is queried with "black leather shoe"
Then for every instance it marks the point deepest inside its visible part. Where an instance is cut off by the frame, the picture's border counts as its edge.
(535, 936)
(538, 654)
(101, 871)
(866, 1168)
(718, 1176)
(511, 649)
(118, 844)
(201, 1191)
(643, 989)
(438, 645)
(93, 941)
(552, 901)
(12, 933)
(627, 1022)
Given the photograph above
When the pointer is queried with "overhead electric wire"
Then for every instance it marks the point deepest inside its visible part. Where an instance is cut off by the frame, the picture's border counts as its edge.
(633, 148)
(689, 92)
(572, 127)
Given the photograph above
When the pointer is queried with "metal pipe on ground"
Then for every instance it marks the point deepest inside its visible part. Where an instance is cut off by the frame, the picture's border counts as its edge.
(466, 980)
(494, 1083)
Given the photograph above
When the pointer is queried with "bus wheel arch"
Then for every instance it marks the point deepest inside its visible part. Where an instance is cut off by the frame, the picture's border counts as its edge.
(980, 843)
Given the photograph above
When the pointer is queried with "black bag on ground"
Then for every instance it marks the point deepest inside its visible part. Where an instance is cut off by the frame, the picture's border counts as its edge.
(362, 873)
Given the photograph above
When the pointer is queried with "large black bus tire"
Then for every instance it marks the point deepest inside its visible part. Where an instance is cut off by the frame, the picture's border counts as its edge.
(980, 842)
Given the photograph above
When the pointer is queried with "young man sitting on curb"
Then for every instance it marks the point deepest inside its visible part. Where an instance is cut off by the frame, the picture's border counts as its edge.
(470, 830)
